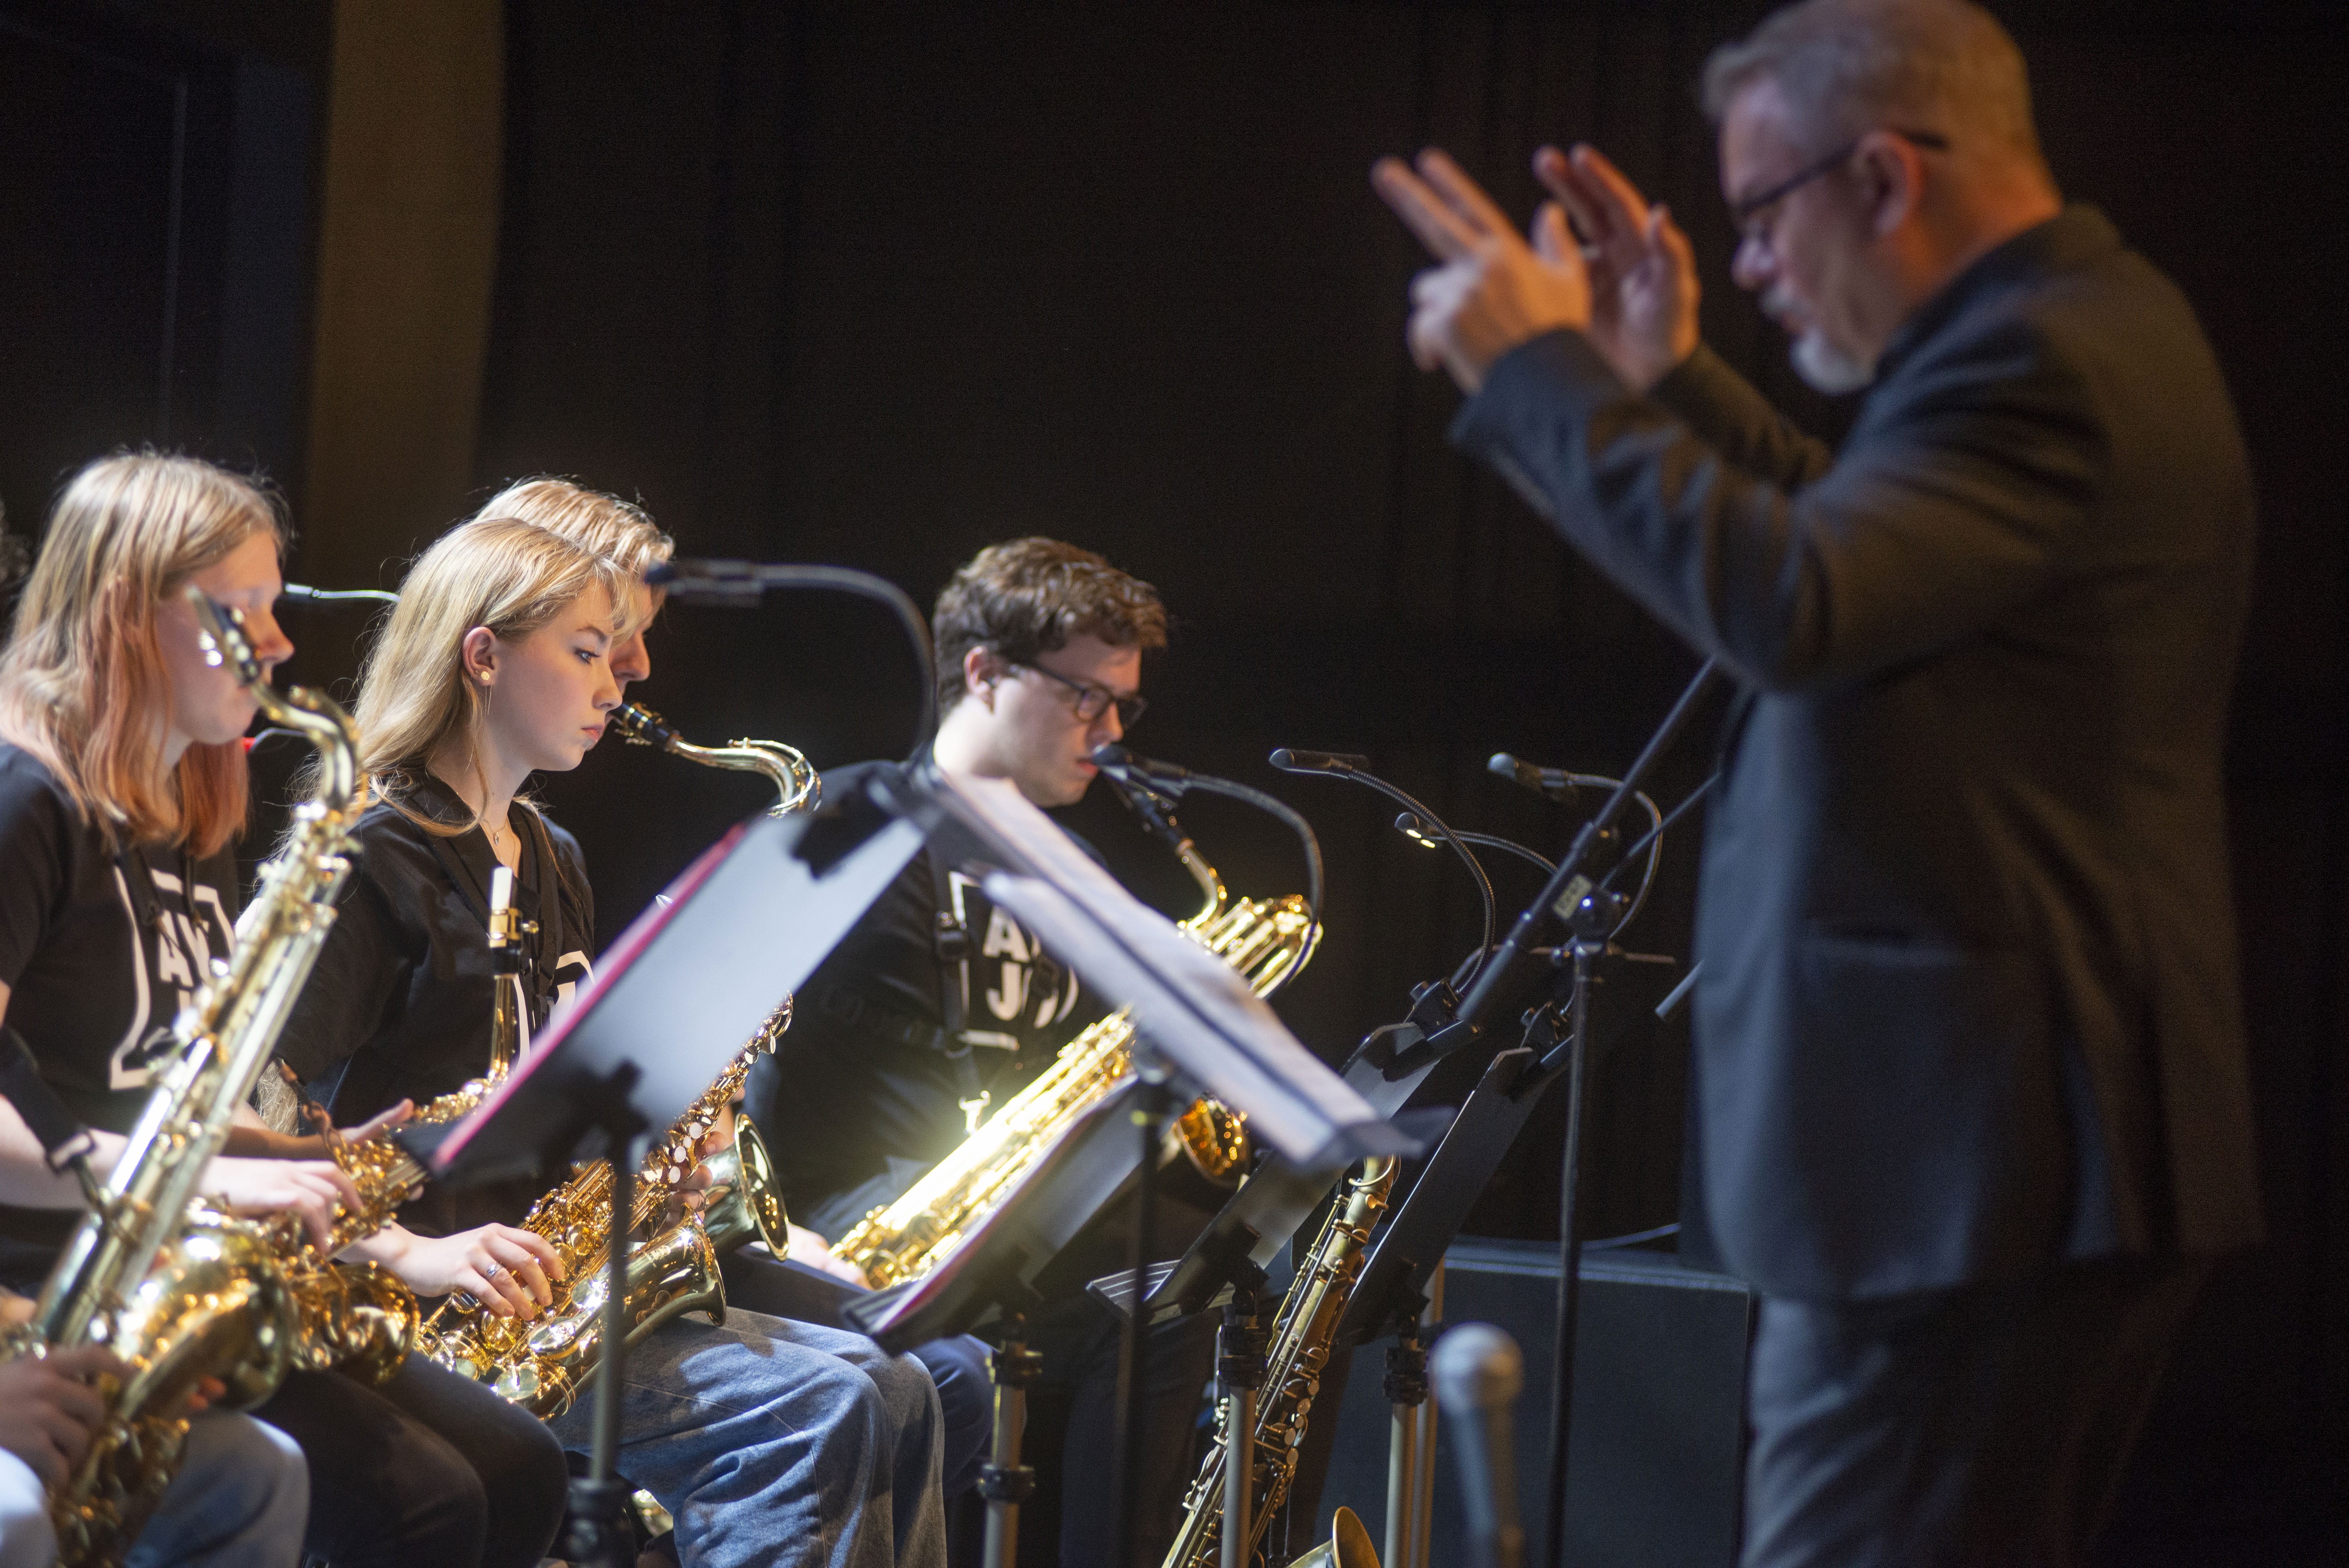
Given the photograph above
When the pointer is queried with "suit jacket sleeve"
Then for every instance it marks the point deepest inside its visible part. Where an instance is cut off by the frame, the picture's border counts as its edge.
(1725, 410)
(1964, 498)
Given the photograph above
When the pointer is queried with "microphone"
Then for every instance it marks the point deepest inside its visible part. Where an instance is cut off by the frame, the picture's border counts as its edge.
(731, 582)
(1147, 773)
(1479, 1374)
(303, 594)
(1291, 761)
(1552, 783)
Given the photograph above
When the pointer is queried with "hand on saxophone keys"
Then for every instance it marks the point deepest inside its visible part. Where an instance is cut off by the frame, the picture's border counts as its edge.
(313, 1188)
(504, 1267)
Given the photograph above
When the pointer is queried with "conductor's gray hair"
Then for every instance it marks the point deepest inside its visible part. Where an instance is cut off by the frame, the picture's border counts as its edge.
(1847, 66)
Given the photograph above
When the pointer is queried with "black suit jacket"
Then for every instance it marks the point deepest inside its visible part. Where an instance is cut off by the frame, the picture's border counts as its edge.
(1969, 1004)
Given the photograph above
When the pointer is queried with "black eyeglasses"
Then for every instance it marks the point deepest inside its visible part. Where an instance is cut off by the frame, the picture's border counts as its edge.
(1743, 213)
(1092, 701)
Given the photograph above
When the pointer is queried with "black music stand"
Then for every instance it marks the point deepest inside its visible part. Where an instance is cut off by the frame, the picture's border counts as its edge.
(694, 976)
(1195, 1017)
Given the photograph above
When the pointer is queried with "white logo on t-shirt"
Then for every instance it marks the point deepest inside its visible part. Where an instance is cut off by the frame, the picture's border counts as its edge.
(184, 951)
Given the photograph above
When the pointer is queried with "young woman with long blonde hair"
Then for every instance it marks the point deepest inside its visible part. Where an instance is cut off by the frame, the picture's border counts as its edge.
(122, 783)
(769, 1442)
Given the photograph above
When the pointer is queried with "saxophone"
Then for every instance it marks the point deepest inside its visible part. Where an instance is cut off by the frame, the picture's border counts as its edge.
(542, 1365)
(361, 1320)
(1299, 1350)
(788, 768)
(175, 1288)
(1266, 942)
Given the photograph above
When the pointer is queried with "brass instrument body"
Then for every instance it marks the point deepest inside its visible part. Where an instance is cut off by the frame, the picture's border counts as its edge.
(673, 1267)
(178, 1292)
(1299, 1351)
(543, 1364)
(1265, 939)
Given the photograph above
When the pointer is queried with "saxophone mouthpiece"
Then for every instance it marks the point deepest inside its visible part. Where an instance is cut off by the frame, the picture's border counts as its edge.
(641, 726)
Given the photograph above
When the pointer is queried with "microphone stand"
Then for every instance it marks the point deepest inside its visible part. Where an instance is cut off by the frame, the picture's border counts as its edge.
(1589, 912)
(741, 584)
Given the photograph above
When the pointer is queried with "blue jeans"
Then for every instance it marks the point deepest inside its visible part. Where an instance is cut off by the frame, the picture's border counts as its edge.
(774, 1442)
(959, 1365)
(239, 1500)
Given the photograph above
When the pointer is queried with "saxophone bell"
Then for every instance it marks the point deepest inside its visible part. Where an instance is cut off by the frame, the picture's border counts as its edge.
(1349, 1547)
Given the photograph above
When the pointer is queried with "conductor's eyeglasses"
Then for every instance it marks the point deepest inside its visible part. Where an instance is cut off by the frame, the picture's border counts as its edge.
(1755, 215)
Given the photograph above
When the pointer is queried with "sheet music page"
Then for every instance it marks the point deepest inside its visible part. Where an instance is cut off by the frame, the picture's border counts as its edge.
(1193, 1007)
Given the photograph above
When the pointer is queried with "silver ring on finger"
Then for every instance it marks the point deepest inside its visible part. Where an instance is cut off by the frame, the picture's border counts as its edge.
(492, 1271)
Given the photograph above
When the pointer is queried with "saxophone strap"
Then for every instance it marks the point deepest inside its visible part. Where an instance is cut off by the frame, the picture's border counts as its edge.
(950, 944)
(64, 1139)
(549, 886)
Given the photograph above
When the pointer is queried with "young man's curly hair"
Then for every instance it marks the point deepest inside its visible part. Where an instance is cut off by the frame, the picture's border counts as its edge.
(1029, 596)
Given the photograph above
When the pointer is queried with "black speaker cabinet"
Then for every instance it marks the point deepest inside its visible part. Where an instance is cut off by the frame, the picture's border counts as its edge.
(1654, 1474)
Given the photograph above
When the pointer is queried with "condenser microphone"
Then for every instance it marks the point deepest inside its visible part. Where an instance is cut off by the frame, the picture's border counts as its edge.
(1479, 1374)
(1290, 761)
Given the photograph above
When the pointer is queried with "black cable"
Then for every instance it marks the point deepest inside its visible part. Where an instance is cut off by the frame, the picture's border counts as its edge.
(1657, 832)
(741, 583)
(1291, 761)
(1272, 805)
(1414, 826)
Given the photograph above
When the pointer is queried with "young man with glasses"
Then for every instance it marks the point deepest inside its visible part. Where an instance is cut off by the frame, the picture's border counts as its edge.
(1970, 1074)
(940, 1006)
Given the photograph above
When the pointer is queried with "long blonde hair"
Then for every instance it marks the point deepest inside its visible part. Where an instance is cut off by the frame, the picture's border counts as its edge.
(508, 575)
(83, 684)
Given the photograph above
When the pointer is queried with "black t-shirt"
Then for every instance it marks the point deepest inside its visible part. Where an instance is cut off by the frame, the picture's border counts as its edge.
(99, 950)
(400, 1004)
(864, 1091)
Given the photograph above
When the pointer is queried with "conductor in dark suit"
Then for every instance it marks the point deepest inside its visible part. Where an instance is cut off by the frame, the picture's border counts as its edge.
(1971, 1086)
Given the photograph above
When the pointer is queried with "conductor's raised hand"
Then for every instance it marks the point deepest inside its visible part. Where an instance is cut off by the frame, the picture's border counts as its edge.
(1491, 290)
(1642, 271)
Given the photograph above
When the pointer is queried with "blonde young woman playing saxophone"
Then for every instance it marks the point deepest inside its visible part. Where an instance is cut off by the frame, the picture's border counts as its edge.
(121, 782)
(771, 1443)
(812, 1285)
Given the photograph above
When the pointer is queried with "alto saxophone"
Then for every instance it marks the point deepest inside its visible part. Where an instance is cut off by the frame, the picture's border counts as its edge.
(1266, 942)
(1299, 1350)
(544, 1363)
(178, 1290)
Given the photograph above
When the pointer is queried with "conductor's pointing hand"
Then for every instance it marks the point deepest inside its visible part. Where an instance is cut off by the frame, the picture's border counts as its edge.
(1490, 290)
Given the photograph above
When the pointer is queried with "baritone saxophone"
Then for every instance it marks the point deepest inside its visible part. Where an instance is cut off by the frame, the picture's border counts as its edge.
(177, 1289)
(1266, 941)
(1300, 1348)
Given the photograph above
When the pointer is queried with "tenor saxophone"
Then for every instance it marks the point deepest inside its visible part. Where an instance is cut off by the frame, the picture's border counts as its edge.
(178, 1290)
(360, 1319)
(542, 1365)
(1299, 1351)
(1267, 942)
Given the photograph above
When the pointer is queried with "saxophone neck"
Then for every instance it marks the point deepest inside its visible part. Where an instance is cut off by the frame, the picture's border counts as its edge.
(1156, 814)
(1211, 885)
(797, 785)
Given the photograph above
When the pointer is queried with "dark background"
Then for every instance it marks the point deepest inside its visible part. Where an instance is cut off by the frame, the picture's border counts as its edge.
(880, 285)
